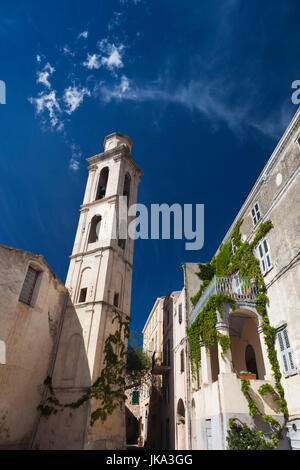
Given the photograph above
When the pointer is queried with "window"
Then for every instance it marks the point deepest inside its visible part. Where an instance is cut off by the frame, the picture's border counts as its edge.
(28, 286)
(182, 361)
(233, 247)
(126, 190)
(102, 185)
(180, 313)
(286, 352)
(265, 257)
(95, 229)
(155, 347)
(208, 434)
(116, 299)
(122, 243)
(255, 214)
(135, 397)
(82, 295)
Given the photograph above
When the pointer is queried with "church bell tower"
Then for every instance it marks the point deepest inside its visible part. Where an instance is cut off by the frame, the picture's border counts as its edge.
(99, 282)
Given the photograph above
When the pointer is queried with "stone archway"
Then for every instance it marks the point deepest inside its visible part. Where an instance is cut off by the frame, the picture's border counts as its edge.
(180, 425)
(245, 342)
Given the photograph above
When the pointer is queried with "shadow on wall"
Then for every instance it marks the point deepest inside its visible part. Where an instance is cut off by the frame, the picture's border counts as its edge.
(132, 427)
(70, 380)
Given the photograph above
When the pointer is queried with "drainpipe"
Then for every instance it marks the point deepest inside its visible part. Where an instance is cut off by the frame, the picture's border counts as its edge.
(188, 379)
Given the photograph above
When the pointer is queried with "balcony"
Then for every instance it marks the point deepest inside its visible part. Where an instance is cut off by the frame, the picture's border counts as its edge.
(159, 366)
(243, 289)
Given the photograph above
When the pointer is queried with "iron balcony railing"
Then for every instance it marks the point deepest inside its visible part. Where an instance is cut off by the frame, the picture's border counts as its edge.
(234, 286)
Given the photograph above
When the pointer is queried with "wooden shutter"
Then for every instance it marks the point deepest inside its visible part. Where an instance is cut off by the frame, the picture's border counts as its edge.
(28, 286)
(286, 352)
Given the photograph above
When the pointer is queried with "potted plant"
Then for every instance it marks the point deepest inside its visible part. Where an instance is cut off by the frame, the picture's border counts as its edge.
(140, 441)
(244, 374)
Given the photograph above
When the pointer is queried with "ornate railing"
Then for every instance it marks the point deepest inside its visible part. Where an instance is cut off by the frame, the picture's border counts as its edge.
(234, 286)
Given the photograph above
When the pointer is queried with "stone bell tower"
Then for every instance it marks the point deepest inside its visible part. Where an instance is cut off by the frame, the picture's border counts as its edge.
(99, 282)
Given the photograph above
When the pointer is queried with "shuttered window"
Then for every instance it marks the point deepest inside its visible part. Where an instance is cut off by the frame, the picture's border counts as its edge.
(264, 256)
(286, 353)
(208, 434)
(28, 286)
(255, 214)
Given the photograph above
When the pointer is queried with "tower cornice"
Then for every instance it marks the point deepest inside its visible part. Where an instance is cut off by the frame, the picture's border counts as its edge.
(117, 153)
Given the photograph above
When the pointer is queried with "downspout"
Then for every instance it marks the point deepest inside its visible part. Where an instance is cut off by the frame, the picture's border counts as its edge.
(188, 379)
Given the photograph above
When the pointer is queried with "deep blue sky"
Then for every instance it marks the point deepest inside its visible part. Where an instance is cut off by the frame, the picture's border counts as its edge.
(202, 87)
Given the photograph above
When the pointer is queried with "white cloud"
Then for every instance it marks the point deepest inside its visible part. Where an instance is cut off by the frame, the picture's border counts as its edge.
(84, 34)
(44, 74)
(115, 21)
(117, 92)
(47, 102)
(114, 55)
(73, 97)
(92, 62)
(67, 51)
(74, 163)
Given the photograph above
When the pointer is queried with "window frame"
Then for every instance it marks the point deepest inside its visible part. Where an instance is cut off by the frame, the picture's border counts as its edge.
(264, 255)
(287, 352)
(32, 297)
(256, 217)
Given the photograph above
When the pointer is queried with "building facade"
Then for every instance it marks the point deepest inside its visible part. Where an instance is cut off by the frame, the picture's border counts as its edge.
(32, 305)
(151, 388)
(275, 197)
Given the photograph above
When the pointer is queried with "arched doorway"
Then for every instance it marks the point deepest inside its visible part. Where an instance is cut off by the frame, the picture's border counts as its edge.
(245, 343)
(250, 360)
(180, 423)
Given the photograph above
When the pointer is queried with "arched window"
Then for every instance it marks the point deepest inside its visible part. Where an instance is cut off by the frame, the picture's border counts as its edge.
(126, 189)
(95, 229)
(102, 185)
(250, 360)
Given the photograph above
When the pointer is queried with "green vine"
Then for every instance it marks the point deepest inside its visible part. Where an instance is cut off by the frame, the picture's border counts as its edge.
(109, 388)
(204, 329)
(227, 262)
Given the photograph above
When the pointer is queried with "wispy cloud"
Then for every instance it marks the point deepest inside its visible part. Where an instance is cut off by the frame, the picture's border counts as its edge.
(113, 59)
(92, 62)
(47, 103)
(73, 97)
(44, 74)
(83, 35)
(115, 20)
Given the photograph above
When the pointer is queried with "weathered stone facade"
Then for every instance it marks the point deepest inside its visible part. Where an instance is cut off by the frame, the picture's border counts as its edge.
(30, 334)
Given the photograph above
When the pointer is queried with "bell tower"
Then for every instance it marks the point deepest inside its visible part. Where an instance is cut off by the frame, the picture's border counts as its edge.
(99, 282)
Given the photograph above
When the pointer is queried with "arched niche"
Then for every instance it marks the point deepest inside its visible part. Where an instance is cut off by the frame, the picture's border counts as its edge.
(102, 183)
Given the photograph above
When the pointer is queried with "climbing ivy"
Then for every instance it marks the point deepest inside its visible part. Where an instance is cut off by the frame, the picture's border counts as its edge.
(109, 388)
(204, 328)
(227, 262)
